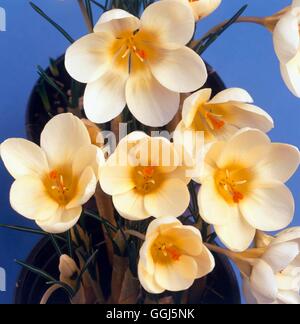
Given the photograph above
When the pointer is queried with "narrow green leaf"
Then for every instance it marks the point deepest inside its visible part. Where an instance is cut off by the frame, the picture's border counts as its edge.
(52, 83)
(55, 244)
(210, 39)
(69, 290)
(98, 5)
(35, 270)
(52, 22)
(30, 230)
(100, 219)
(70, 244)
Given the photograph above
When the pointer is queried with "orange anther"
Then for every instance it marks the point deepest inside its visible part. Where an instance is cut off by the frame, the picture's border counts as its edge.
(53, 175)
(148, 171)
(217, 124)
(237, 197)
(173, 253)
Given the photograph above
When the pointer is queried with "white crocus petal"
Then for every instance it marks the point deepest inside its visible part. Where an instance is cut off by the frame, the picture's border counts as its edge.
(206, 263)
(116, 21)
(203, 8)
(177, 276)
(279, 256)
(279, 163)
(192, 103)
(161, 225)
(150, 102)
(290, 234)
(245, 115)
(89, 155)
(185, 237)
(291, 75)
(29, 197)
(237, 234)
(130, 205)
(87, 59)
(23, 158)
(86, 188)
(180, 70)
(105, 99)
(62, 221)
(175, 21)
(245, 147)
(286, 37)
(296, 3)
(248, 294)
(289, 297)
(62, 137)
(173, 195)
(269, 206)
(232, 94)
(148, 281)
(263, 283)
(213, 207)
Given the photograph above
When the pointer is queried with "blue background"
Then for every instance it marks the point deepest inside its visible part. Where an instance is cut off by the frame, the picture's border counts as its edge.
(243, 56)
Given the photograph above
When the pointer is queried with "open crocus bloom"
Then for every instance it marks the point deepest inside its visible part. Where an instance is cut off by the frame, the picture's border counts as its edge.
(142, 62)
(146, 178)
(172, 257)
(243, 187)
(287, 47)
(275, 276)
(220, 117)
(202, 8)
(53, 181)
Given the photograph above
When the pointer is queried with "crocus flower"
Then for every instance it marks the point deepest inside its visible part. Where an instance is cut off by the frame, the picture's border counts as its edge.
(53, 181)
(145, 178)
(202, 8)
(143, 63)
(243, 187)
(287, 47)
(172, 257)
(219, 117)
(274, 277)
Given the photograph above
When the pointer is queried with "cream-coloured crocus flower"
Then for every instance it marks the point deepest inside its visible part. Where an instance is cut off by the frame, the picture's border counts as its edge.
(274, 277)
(143, 63)
(243, 187)
(287, 47)
(219, 118)
(146, 178)
(202, 8)
(53, 181)
(172, 257)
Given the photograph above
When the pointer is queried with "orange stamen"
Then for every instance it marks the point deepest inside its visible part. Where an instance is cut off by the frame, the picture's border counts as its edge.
(53, 175)
(217, 124)
(148, 171)
(142, 54)
(173, 253)
(237, 197)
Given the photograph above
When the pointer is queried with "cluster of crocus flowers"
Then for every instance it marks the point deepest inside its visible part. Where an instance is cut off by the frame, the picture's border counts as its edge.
(172, 257)
(243, 187)
(143, 63)
(53, 181)
(287, 46)
(144, 174)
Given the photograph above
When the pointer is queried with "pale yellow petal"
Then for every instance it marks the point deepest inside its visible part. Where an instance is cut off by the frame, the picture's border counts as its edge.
(291, 75)
(269, 206)
(206, 263)
(148, 281)
(181, 70)
(177, 276)
(237, 235)
(231, 94)
(29, 198)
(173, 195)
(116, 22)
(86, 188)
(88, 58)
(62, 221)
(23, 158)
(130, 205)
(150, 102)
(214, 209)
(174, 21)
(62, 137)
